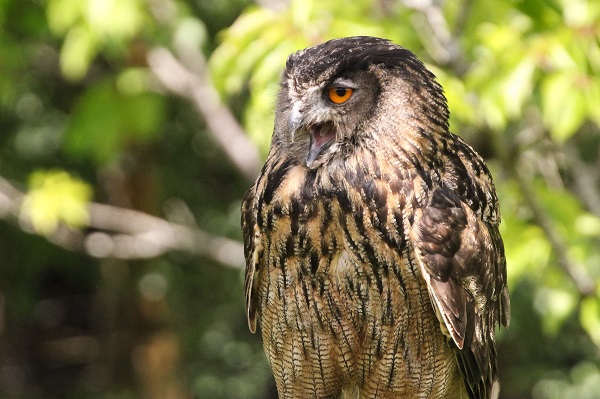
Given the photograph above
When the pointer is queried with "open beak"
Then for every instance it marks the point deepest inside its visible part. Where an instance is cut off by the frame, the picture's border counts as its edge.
(321, 134)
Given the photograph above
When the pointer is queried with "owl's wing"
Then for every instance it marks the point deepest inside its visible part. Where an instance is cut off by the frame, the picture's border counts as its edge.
(462, 260)
(252, 252)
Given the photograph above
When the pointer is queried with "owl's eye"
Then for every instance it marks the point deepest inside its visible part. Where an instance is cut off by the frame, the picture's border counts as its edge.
(339, 95)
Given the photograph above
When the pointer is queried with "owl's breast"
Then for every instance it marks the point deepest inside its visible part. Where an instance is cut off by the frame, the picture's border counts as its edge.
(336, 234)
(307, 254)
(337, 273)
(301, 219)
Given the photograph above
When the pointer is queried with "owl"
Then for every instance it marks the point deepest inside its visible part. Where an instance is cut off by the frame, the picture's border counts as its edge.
(374, 264)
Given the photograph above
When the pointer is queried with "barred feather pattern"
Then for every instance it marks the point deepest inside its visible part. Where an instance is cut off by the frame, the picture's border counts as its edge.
(379, 273)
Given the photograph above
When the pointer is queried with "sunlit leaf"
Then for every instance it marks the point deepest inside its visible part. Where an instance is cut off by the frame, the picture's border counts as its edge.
(527, 251)
(561, 205)
(225, 59)
(55, 197)
(251, 56)
(563, 106)
(90, 25)
(590, 317)
(459, 100)
(78, 50)
(517, 86)
(592, 96)
(300, 11)
(593, 53)
(63, 14)
(114, 19)
(588, 224)
(492, 108)
(264, 83)
(579, 12)
(555, 305)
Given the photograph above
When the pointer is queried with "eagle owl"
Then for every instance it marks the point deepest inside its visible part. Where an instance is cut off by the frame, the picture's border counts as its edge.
(374, 264)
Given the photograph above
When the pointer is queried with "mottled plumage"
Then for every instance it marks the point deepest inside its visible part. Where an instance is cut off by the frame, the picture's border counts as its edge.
(374, 264)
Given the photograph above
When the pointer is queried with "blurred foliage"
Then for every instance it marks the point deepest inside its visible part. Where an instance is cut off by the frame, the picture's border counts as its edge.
(110, 115)
(55, 197)
(82, 117)
(93, 26)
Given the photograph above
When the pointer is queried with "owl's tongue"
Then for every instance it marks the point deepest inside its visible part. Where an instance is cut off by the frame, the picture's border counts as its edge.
(320, 136)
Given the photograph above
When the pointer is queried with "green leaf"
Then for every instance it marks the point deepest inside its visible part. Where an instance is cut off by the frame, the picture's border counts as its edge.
(588, 225)
(228, 72)
(517, 87)
(63, 14)
(114, 19)
(592, 98)
(259, 115)
(555, 305)
(54, 197)
(589, 316)
(141, 115)
(104, 120)
(561, 205)
(78, 50)
(90, 26)
(459, 100)
(527, 251)
(563, 106)
(578, 12)
(492, 109)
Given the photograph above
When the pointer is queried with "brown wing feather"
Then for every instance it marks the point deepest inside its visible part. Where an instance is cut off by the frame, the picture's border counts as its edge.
(461, 258)
(252, 252)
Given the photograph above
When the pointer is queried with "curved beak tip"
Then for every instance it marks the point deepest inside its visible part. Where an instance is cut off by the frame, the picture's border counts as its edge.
(295, 119)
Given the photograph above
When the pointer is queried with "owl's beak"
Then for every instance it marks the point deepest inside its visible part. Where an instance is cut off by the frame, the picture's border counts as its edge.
(295, 118)
(321, 136)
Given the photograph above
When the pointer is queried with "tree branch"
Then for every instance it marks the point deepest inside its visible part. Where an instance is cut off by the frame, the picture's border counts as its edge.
(127, 234)
(585, 180)
(436, 36)
(196, 86)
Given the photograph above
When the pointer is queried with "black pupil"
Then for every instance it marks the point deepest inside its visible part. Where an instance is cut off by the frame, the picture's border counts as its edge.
(341, 91)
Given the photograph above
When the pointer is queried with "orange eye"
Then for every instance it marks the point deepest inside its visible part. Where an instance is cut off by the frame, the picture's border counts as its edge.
(339, 95)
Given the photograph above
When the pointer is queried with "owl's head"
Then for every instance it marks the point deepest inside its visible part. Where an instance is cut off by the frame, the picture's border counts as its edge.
(351, 91)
